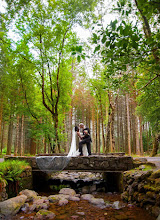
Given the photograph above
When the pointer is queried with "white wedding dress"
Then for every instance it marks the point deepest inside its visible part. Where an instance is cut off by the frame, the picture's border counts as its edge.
(50, 164)
(73, 151)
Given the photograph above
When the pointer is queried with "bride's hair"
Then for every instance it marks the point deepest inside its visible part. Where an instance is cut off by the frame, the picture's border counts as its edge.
(76, 128)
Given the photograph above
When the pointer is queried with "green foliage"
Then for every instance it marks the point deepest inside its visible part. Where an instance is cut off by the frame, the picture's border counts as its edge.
(129, 47)
(4, 151)
(45, 43)
(11, 170)
(56, 188)
(149, 105)
(44, 46)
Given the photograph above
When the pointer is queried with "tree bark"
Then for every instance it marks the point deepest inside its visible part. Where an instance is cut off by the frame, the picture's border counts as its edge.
(147, 30)
(141, 138)
(45, 146)
(1, 115)
(10, 135)
(56, 133)
(102, 126)
(155, 144)
(2, 136)
(138, 152)
(108, 136)
(33, 147)
(112, 102)
(22, 136)
(121, 126)
(118, 126)
(93, 130)
(98, 133)
(17, 137)
(128, 125)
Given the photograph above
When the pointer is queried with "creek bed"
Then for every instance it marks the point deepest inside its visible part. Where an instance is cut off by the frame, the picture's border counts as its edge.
(91, 212)
(83, 209)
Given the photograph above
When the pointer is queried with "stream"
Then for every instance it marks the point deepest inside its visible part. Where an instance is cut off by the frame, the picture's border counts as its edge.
(83, 209)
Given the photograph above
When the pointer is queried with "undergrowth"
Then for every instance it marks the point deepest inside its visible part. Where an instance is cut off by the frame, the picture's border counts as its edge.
(11, 170)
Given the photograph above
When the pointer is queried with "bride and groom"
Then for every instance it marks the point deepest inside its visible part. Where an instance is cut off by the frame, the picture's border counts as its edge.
(51, 164)
(85, 140)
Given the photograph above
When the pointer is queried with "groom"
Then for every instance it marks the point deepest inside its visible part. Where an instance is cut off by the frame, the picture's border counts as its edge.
(85, 139)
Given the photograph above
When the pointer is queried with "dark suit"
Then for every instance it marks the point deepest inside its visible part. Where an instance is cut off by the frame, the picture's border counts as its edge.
(86, 140)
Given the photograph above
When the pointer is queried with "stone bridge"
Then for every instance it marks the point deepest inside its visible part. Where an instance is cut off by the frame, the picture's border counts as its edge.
(95, 163)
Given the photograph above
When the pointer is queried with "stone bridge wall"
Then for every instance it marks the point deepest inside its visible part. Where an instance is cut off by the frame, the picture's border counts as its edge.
(101, 163)
(93, 163)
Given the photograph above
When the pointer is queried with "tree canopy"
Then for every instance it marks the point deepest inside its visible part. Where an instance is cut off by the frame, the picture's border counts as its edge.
(44, 79)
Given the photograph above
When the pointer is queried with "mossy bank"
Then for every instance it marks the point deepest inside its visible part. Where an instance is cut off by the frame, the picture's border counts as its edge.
(142, 187)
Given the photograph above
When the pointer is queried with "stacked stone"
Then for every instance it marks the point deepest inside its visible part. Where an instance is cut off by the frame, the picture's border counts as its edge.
(26, 178)
(143, 189)
(26, 182)
(3, 193)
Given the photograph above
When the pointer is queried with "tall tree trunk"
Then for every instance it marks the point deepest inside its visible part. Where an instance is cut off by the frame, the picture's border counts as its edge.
(49, 148)
(45, 146)
(1, 114)
(103, 138)
(17, 137)
(118, 126)
(98, 133)
(141, 138)
(22, 136)
(96, 138)
(108, 136)
(10, 135)
(33, 147)
(155, 144)
(138, 152)
(93, 130)
(125, 128)
(128, 125)
(112, 102)
(121, 126)
(137, 136)
(110, 142)
(2, 137)
(147, 137)
(133, 131)
(57, 143)
(64, 143)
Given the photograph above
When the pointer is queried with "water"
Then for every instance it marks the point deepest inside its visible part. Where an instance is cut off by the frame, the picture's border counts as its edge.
(83, 210)
(115, 208)
(91, 212)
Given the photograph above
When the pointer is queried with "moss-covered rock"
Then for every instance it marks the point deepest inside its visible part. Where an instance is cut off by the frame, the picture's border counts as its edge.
(3, 193)
(142, 186)
(56, 198)
(67, 191)
(11, 206)
(152, 188)
(155, 174)
(44, 214)
(29, 193)
(124, 196)
(151, 194)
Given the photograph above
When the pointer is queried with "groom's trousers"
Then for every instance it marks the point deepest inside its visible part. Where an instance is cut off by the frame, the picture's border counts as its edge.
(86, 141)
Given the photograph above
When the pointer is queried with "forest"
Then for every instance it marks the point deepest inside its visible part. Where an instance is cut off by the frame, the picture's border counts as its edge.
(50, 76)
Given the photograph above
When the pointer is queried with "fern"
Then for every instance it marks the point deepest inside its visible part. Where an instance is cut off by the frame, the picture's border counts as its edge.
(11, 170)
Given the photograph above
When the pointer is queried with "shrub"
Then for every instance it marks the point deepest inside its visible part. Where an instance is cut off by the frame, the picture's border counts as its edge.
(11, 170)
